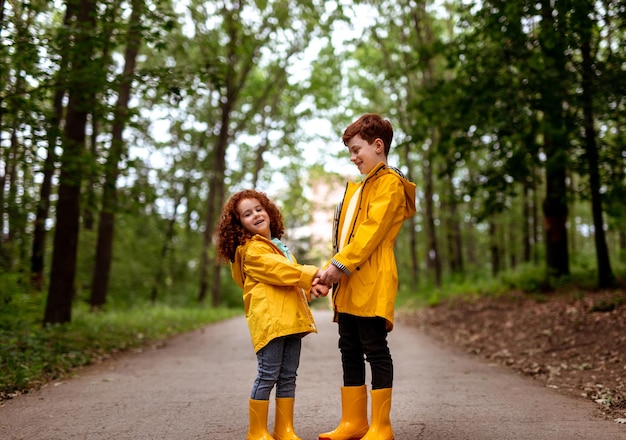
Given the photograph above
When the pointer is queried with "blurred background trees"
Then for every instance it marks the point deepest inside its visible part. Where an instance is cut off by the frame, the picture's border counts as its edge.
(124, 126)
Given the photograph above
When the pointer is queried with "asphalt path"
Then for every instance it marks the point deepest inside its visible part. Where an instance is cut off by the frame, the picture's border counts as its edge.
(197, 386)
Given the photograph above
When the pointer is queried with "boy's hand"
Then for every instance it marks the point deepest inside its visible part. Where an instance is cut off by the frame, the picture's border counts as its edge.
(331, 275)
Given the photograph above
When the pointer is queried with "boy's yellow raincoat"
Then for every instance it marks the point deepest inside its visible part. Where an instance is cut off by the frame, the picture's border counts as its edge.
(275, 291)
(386, 199)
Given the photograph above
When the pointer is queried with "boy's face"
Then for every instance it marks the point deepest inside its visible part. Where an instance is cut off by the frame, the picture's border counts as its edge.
(254, 218)
(366, 156)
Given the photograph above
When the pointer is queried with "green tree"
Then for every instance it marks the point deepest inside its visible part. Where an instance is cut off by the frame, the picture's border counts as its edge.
(106, 224)
(584, 27)
(53, 118)
(243, 52)
(63, 270)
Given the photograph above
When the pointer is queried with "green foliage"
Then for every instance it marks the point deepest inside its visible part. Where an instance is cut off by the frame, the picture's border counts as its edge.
(31, 355)
(11, 284)
(527, 278)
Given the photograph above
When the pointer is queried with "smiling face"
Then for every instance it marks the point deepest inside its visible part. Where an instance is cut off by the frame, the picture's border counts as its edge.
(254, 217)
(364, 155)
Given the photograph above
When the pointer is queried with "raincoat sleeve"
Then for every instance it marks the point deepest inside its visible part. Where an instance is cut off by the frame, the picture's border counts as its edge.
(385, 209)
(265, 266)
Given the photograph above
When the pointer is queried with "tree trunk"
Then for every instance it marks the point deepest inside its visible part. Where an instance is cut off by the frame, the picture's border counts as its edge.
(432, 257)
(63, 270)
(89, 194)
(43, 206)
(535, 219)
(526, 218)
(214, 202)
(620, 175)
(555, 218)
(106, 224)
(7, 233)
(53, 133)
(453, 230)
(494, 250)
(555, 145)
(215, 197)
(165, 247)
(415, 268)
(511, 239)
(2, 154)
(605, 273)
(4, 158)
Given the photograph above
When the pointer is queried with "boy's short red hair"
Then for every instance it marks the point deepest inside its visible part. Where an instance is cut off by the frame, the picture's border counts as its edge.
(370, 127)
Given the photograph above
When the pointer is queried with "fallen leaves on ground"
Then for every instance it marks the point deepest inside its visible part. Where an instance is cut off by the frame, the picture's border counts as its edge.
(573, 343)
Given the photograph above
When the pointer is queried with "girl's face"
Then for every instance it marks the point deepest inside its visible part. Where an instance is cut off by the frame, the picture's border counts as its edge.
(254, 217)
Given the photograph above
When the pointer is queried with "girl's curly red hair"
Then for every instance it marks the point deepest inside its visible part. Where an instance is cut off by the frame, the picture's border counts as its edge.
(230, 233)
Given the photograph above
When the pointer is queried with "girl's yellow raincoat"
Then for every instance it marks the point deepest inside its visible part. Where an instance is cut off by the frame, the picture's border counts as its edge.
(275, 291)
(386, 199)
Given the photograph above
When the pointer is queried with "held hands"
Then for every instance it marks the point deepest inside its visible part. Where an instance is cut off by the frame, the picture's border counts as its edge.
(324, 279)
(318, 288)
(331, 275)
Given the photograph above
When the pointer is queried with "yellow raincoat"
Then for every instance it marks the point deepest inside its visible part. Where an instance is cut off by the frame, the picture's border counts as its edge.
(275, 291)
(386, 199)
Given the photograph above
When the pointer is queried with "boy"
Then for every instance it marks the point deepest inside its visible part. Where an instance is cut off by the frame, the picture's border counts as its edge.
(364, 277)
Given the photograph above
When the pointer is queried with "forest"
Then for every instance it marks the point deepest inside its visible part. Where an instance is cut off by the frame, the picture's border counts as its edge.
(125, 125)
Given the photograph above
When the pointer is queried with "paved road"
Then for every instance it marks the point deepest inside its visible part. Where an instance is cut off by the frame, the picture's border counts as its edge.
(196, 387)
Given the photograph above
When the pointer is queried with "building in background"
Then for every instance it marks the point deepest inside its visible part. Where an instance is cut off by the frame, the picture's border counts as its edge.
(327, 193)
(312, 243)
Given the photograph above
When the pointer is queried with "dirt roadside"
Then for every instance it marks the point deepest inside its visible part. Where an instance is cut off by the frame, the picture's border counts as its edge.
(196, 387)
(573, 342)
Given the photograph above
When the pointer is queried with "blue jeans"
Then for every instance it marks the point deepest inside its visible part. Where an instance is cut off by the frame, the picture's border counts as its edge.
(277, 364)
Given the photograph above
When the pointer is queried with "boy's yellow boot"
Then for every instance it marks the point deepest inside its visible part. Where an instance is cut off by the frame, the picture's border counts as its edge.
(258, 420)
(353, 423)
(283, 424)
(380, 429)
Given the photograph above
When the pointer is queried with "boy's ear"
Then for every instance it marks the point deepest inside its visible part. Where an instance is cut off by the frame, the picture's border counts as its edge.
(380, 146)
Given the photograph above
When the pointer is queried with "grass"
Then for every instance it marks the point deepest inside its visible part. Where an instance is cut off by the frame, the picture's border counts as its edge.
(31, 355)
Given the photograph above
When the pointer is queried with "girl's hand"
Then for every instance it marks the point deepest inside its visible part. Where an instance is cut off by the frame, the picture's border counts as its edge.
(319, 290)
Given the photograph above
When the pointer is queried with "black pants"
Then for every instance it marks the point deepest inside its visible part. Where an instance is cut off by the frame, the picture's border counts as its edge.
(362, 339)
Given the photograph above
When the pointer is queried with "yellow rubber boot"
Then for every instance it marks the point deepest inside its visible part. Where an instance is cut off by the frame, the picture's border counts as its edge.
(283, 424)
(353, 423)
(258, 420)
(380, 429)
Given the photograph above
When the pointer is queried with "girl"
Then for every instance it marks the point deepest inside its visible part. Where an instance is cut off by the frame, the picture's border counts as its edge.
(276, 291)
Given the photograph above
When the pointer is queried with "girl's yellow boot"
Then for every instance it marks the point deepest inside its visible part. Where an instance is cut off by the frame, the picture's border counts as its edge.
(258, 420)
(353, 423)
(283, 424)
(380, 428)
